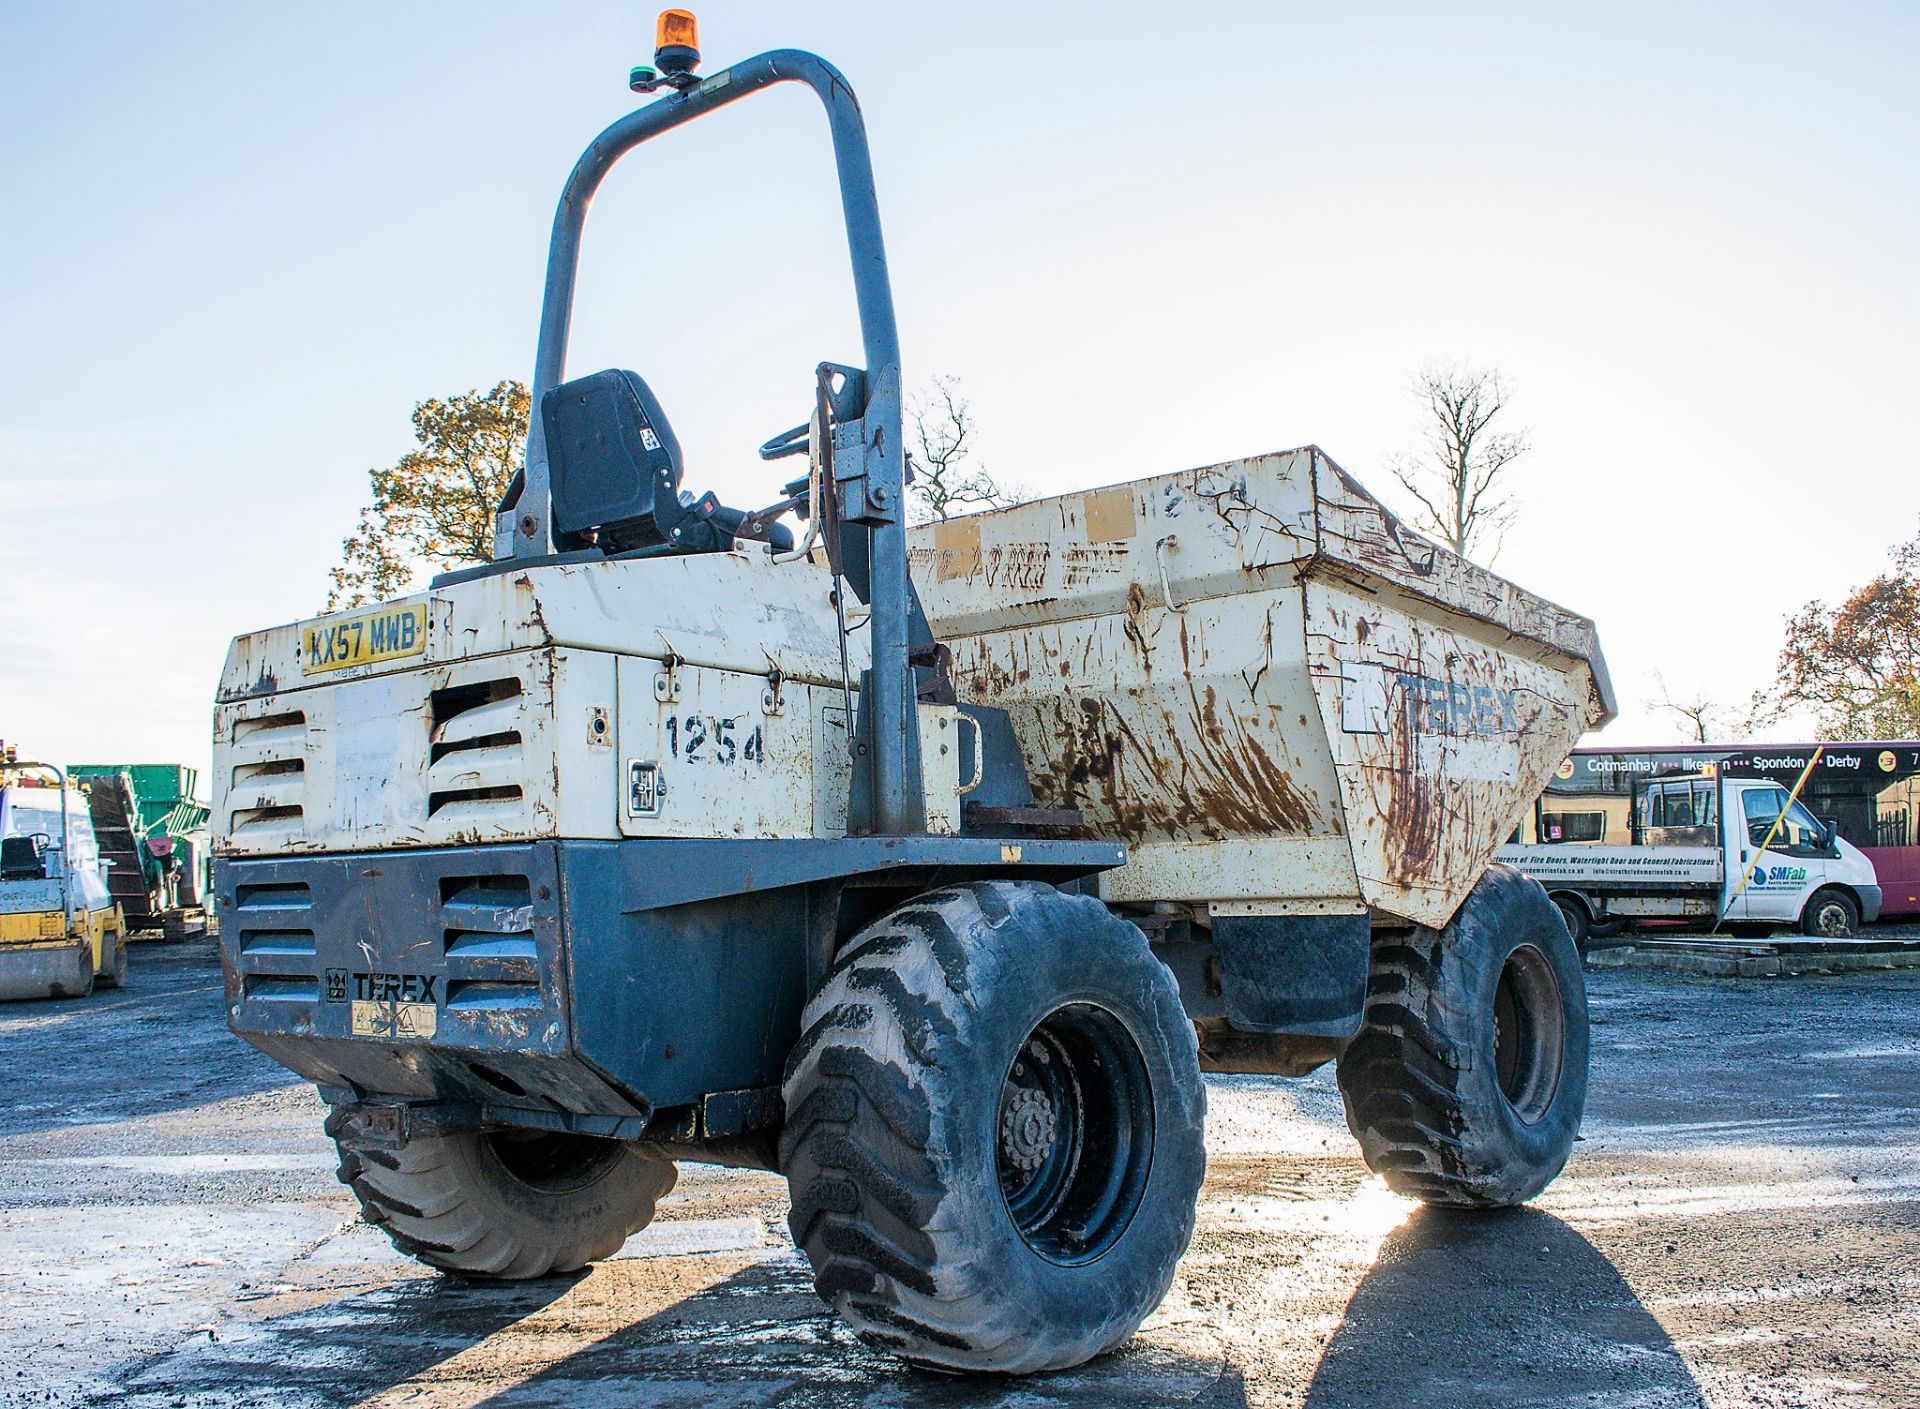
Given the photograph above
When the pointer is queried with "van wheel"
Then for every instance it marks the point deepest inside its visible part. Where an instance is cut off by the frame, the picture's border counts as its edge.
(1831, 914)
(994, 1130)
(503, 1204)
(1467, 1079)
(1579, 923)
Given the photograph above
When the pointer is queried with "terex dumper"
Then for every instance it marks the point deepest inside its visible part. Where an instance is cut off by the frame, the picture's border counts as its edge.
(664, 838)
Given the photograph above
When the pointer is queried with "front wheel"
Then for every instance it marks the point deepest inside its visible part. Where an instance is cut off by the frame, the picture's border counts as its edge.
(1466, 1082)
(994, 1130)
(1831, 914)
(503, 1204)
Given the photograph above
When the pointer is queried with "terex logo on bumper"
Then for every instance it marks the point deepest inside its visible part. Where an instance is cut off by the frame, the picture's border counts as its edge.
(1369, 692)
(394, 1006)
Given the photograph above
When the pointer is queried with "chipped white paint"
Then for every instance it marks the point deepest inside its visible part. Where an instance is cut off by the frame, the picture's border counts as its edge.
(1263, 683)
(539, 691)
(1250, 673)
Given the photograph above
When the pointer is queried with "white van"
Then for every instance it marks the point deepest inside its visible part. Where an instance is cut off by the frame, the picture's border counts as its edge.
(1716, 850)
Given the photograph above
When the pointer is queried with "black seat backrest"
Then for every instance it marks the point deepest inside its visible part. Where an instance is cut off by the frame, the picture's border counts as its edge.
(614, 461)
(20, 859)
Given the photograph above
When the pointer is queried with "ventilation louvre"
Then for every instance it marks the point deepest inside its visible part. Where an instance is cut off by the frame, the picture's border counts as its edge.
(476, 760)
(274, 941)
(266, 787)
(492, 958)
(280, 988)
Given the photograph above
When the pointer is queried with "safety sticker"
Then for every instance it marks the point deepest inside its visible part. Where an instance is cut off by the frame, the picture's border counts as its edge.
(398, 1007)
(394, 1021)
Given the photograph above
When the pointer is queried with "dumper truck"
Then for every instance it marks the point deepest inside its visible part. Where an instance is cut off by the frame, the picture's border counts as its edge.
(928, 870)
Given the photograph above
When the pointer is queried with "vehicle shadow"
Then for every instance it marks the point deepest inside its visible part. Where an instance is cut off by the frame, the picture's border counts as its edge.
(664, 1333)
(166, 1030)
(1497, 1308)
(342, 1352)
(762, 1337)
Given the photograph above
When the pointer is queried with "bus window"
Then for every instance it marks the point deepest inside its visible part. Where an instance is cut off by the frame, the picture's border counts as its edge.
(1657, 806)
(1573, 826)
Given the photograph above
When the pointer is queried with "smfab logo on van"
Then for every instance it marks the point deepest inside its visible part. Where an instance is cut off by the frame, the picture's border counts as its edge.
(1778, 877)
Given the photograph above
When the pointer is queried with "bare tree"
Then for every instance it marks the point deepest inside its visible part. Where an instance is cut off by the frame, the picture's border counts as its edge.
(1458, 475)
(1704, 716)
(943, 432)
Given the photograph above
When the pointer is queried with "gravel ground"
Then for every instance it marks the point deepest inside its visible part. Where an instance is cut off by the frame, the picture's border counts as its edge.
(1739, 1227)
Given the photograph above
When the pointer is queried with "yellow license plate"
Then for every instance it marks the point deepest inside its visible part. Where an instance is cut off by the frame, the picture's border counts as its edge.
(388, 634)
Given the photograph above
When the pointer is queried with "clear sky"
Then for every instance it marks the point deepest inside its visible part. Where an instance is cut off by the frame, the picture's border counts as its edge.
(238, 242)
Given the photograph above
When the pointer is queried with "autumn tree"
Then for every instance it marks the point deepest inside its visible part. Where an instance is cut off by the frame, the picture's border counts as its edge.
(1459, 474)
(944, 483)
(434, 508)
(1857, 666)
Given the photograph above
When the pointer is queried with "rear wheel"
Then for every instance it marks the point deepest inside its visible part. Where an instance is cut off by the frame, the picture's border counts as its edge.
(75, 979)
(115, 973)
(994, 1130)
(1579, 923)
(503, 1204)
(1466, 1082)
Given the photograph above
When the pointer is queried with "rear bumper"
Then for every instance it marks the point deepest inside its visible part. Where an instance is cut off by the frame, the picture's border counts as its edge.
(432, 975)
(605, 980)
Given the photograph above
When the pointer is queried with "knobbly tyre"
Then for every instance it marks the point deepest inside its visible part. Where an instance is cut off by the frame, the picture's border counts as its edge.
(624, 850)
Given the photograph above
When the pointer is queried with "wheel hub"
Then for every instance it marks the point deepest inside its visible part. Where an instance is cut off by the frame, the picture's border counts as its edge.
(1028, 1128)
(1073, 1133)
(1529, 1033)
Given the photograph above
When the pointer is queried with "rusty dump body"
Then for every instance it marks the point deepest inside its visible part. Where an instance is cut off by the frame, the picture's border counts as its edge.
(1280, 697)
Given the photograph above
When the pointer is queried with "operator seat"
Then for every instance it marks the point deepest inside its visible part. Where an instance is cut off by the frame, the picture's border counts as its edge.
(20, 859)
(614, 465)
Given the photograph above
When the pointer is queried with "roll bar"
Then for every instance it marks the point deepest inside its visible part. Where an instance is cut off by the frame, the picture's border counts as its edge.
(66, 834)
(889, 724)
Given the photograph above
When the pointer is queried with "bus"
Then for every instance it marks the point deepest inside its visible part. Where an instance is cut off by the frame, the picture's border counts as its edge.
(1870, 791)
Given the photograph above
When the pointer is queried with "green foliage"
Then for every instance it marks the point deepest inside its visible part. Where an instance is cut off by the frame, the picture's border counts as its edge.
(434, 509)
(1857, 665)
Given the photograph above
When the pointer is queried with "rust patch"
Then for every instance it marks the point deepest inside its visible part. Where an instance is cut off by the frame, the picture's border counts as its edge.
(1018, 567)
(1083, 567)
(1152, 783)
(1136, 637)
